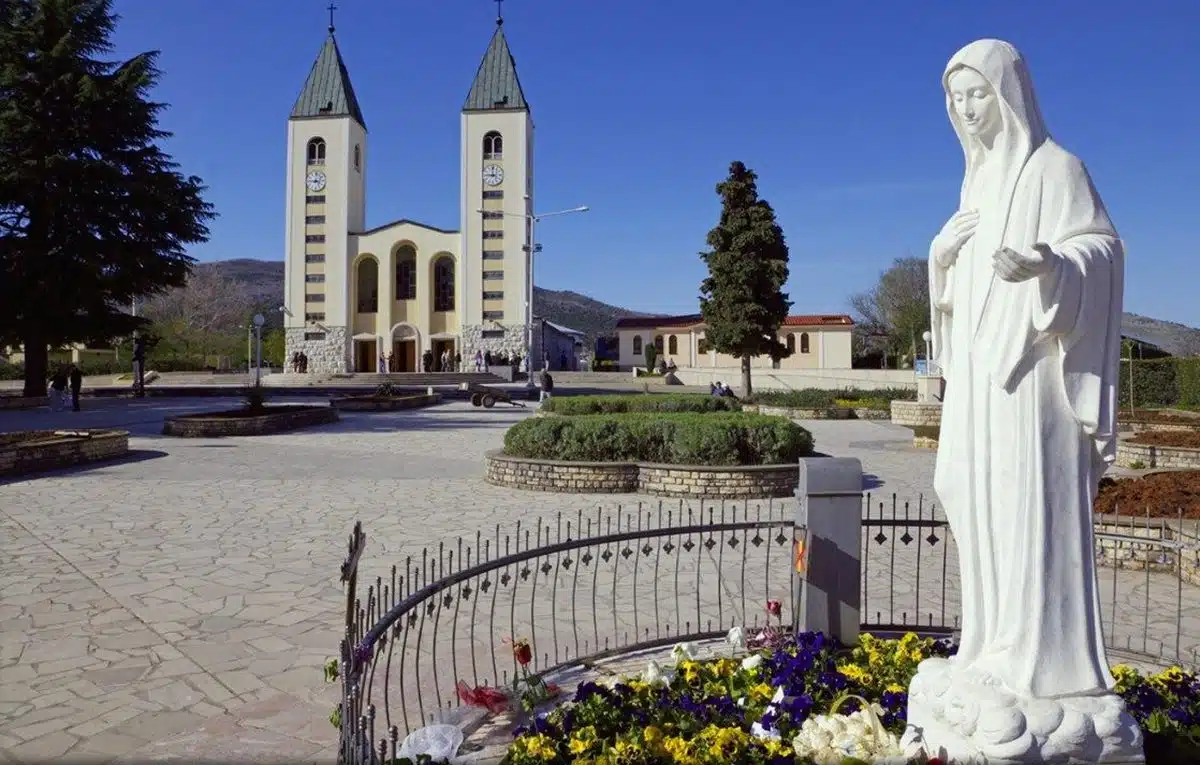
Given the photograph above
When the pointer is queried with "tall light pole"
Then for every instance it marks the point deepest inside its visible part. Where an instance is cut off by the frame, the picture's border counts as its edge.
(259, 320)
(531, 248)
(927, 336)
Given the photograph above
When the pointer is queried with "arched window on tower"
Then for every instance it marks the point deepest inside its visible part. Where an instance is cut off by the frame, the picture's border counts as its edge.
(493, 145)
(443, 284)
(316, 151)
(804, 342)
(357, 157)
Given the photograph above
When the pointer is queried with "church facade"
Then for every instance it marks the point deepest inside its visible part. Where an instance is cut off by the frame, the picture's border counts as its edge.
(353, 293)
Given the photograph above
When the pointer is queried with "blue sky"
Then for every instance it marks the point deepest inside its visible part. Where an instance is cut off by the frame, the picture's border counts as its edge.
(640, 106)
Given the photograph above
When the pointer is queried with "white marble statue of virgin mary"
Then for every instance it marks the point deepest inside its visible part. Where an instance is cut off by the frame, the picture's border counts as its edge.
(1026, 285)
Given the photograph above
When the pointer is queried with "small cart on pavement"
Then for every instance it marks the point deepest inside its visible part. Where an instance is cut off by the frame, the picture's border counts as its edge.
(481, 395)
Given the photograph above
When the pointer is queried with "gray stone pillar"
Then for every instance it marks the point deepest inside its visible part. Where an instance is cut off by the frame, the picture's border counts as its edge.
(827, 560)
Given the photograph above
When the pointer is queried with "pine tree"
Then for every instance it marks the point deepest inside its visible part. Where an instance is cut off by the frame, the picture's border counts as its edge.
(742, 300)
(92, 212)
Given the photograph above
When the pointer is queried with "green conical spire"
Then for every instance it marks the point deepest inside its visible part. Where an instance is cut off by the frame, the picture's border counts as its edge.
(327, 91)
(496, 85)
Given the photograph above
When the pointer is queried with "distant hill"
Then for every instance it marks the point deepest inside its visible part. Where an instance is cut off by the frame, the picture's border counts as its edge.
(264, 280)
(1176, 339)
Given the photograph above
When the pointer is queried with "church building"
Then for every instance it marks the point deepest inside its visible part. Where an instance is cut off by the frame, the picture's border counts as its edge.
(352, 293)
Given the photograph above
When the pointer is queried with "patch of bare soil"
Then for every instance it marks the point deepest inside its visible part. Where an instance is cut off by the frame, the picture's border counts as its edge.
(1164, 417)
(1181, 439)
(1163, 494)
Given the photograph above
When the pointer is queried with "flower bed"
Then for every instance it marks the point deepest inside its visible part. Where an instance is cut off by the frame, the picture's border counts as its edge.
(1139, 420)
(1172, 494)
(640, 402)
(791, 699)
(248, 422)
(667, 438)
(819, 398)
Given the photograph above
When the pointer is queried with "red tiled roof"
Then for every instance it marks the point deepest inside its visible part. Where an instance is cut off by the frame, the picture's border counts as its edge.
(654, 322)
(819, 320)
(690, 320)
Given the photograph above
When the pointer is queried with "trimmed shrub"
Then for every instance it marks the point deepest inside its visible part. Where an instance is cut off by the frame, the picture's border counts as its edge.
(673, 438)
(1161, 382)
(640, 402)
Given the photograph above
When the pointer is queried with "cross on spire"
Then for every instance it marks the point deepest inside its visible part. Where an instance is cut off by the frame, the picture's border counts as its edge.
(499, 12)
(331, 9)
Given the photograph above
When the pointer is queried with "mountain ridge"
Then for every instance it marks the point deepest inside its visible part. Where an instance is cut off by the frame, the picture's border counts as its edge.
(264, 280)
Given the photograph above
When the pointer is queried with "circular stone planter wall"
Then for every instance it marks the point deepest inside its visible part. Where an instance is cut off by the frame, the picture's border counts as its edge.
(384, 403)
(923, 418)
(22, 402)
(38, 450)
(1141, 426)
(830, 413)
(728, 482)
(236, 423)
(1153, 456)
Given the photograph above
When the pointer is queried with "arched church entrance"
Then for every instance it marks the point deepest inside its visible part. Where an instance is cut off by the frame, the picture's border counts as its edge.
(405, 342)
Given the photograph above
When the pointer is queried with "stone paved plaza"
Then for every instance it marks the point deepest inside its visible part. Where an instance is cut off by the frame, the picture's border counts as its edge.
(182, 602)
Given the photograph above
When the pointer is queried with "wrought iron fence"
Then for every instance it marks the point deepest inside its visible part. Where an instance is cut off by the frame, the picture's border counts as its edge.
(583, 587)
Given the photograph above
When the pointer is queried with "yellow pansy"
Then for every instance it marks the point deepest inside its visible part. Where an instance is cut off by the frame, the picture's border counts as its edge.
(623, 750)
(539, 745)
(855, 672)
(582, 740)
(761, 691)
(725, 667)
(690, 670)
(894, 688)
(777, 748)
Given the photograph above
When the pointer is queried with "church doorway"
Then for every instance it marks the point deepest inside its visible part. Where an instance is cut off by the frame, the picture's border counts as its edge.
(404, 355)
(439, 347)
(365, 357)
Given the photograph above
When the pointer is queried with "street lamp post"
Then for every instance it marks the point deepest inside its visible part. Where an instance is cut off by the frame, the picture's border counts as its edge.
(927, 336)
(259, 320)
(531, 248)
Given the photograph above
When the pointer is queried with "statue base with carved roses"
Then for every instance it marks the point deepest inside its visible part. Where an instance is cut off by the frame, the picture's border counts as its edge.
(968, 717)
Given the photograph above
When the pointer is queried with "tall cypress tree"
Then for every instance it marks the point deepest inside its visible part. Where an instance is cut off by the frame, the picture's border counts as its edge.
(742, 299)
(92, 212)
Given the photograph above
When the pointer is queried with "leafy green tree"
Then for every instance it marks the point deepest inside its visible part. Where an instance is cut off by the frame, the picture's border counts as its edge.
(92, 212)
(892, 316)
(742, 299)
(650, 352)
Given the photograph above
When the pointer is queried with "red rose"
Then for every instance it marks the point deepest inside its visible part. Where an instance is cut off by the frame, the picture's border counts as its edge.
(775, 608)
(492, 699)
(522, 651)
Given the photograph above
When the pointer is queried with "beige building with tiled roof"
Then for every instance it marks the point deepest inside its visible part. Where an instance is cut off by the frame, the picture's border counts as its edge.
(353, 291)
(816, 342)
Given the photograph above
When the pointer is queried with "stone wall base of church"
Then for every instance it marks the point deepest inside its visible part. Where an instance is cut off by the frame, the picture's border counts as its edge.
(509, 340)
(326, 355)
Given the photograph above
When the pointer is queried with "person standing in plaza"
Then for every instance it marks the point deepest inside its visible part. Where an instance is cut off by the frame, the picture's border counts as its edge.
(547, 384)
(58, 389)
(76, 379)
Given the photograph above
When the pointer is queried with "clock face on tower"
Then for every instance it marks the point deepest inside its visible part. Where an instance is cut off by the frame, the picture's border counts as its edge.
(493, 175)
(315, 180)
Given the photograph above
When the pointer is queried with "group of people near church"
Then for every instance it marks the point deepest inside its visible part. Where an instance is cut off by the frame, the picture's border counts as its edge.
(300, 362)
(64, 378)
(721, 390)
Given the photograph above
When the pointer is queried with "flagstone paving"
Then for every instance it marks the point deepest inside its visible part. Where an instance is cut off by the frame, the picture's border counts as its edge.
(182, 602)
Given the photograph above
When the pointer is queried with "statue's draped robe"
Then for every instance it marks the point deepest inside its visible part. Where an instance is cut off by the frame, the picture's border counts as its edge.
(1029, 417)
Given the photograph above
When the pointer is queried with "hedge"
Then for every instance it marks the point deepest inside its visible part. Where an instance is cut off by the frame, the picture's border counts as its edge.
(640, 402)
(673, 438)
(1162, 382)
(819, 398)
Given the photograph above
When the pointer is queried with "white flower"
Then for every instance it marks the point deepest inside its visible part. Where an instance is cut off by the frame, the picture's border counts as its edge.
(764, 733)
(778, 697)
(742, 701)
(683, 651)
(736, 638)
(752, 661)
(654, 674)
